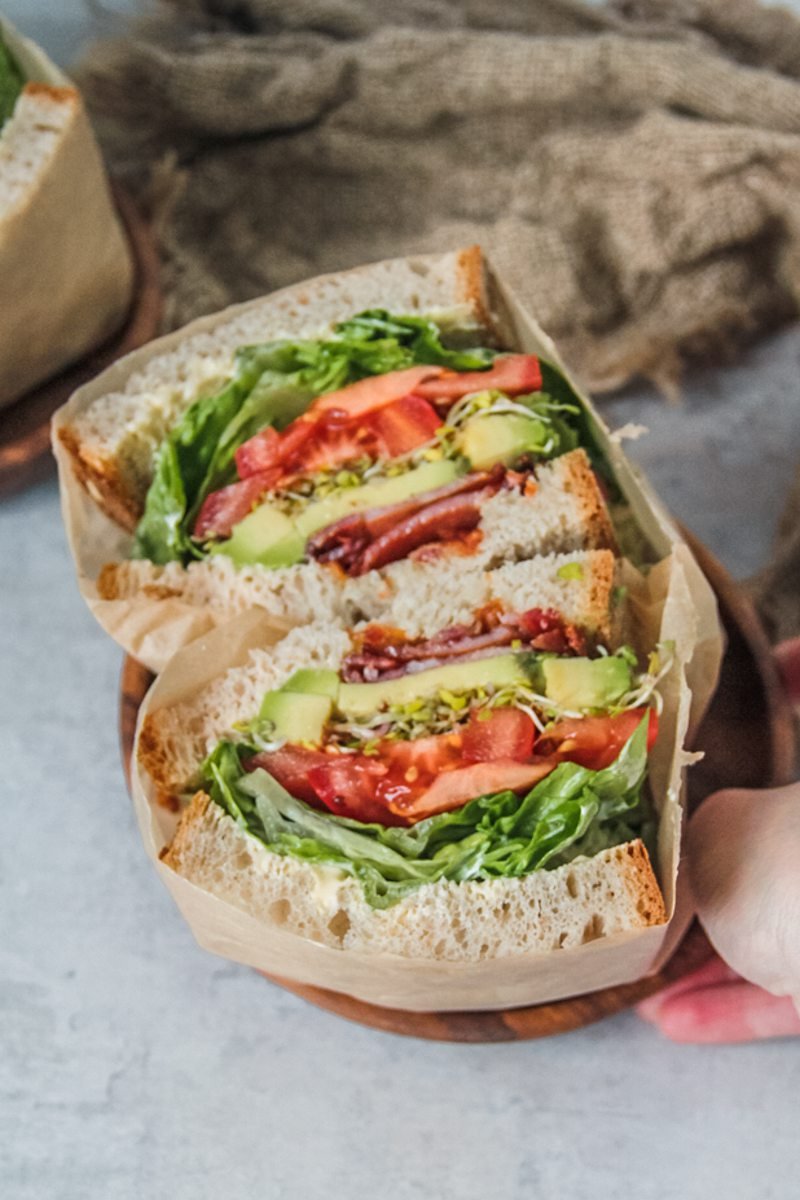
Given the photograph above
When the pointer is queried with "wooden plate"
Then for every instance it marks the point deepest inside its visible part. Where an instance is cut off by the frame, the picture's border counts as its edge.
(750, 697)
(25, 454)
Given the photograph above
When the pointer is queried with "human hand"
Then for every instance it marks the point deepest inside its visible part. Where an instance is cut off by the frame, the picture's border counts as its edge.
(743, 853)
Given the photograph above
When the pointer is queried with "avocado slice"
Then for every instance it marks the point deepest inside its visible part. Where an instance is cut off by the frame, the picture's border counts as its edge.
(273, 539)
(312, 681)
(297, 717)
(357, 700)
(586, 682)
(375, 495)
(503, 438)
(266, 536)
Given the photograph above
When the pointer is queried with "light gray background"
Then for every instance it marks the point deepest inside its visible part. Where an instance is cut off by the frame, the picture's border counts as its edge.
(133, 1066)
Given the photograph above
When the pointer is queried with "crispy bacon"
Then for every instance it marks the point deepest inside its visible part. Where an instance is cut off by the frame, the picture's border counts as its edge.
(350, 540)
(225, 508)
(381, 652)
(436, 522)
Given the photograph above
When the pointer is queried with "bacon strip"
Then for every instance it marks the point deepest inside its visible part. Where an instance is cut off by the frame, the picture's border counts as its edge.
(349, 539)
(383, 653)
(436, 522)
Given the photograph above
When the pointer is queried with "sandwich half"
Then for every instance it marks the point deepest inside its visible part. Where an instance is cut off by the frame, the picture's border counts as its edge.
(473, 792)
(312, 454)
(66, 275)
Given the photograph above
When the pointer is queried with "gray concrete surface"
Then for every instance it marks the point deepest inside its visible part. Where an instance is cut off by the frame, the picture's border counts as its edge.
(133, 1066)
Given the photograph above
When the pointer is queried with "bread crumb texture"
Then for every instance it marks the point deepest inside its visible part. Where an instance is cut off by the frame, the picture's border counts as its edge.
(614, 892)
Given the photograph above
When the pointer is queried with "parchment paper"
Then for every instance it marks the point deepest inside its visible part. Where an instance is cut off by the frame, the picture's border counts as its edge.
(661, 602)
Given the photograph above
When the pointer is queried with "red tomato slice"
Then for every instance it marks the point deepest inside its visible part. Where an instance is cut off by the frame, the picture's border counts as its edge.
(223, 509)
(375, 391)
(595, 742)
(351, 785)
(424, 757)
(453, 788)
(513, 374)
(404, 424)
(292, 766)
(268, 449)
(306, 446)
(503, 733)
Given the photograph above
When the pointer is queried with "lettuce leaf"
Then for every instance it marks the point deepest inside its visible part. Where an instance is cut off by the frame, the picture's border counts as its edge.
(573, 811)
(272, 384)
(11, 82)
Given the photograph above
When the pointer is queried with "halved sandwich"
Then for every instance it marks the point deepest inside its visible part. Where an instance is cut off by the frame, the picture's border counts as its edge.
(321, 468)
(66, 274)
(371, 787)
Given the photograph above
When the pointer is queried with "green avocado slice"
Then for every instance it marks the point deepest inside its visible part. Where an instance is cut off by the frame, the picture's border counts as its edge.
(297, 717)
(586, 682)
(358, 700)
(501, 438)
(271, 538)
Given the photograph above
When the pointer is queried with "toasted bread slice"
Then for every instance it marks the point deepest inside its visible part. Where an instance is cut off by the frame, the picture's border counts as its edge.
(566, 513)
(174, 741)
(614, 892)
(422, 597)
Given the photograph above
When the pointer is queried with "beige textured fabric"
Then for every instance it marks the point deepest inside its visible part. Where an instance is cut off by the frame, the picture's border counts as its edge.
(632, 169)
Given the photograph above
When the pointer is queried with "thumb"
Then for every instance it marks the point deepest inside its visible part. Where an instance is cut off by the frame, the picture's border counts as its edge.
(743, 850)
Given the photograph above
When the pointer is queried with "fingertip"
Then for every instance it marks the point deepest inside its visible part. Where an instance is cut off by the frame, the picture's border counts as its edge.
(727, 1014)
(787, 657)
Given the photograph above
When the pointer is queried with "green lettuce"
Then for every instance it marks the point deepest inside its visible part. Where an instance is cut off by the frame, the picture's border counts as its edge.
(573, 811)
(272, 384)
(11, 82)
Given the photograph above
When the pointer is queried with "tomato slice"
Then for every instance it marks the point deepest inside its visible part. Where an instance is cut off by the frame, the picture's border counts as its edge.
(451, 789)
(223, 509)
(352, 785)
(502, 733)
(406, 781)
(374, 391)
(269, 450)
(292, 766)
(404, 424)
(424, 757)
(595, 742)
(513, 374)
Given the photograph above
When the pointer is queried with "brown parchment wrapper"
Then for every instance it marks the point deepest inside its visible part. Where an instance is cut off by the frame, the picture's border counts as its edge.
(663, 609)
(672, 602)
(66, 273)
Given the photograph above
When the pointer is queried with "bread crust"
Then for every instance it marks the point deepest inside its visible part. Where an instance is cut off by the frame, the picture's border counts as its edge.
(99, 476)
(544, 912)
(581, 481)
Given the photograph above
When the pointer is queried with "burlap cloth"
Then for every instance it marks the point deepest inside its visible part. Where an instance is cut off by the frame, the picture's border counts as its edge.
(633, 169)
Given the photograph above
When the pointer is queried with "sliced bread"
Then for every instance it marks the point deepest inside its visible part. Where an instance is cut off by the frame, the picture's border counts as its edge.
(613, 892)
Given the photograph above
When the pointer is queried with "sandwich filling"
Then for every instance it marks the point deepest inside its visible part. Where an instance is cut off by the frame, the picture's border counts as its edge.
(494, 748)
(374, 445)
